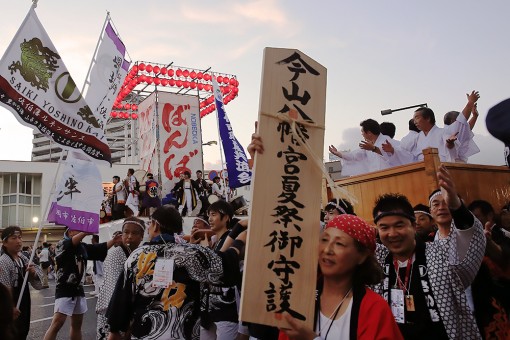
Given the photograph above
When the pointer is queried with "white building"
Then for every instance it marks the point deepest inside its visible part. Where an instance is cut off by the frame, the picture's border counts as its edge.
(26, 187)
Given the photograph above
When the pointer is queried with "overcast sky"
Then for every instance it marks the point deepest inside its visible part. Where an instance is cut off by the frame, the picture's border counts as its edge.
(379, 55)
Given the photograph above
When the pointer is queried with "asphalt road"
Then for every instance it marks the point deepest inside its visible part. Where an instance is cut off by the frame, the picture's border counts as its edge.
(43, 302)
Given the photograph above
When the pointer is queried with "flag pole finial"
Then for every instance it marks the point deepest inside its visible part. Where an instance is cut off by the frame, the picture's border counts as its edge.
(34, 3)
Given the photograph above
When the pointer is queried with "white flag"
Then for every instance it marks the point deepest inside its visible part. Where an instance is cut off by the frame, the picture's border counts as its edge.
(36, 86)
(78, 196)
(107, 74)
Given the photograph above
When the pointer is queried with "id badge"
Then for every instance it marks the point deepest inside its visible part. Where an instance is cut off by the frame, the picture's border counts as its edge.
(163, 273)
(397, 305)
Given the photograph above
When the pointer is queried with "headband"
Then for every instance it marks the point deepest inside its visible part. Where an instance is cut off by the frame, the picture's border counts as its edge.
(336, 206)
(135, 223)
(356, 228)
(434, 195)
(10, 233)
(202, 219)
(422, 212)
(394, 213)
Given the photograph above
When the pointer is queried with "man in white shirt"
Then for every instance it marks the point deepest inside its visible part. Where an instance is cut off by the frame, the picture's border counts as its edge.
(377, 152)
(132, 201)
(44, 260)
(119, 199)
(449, 141)
(216, 188)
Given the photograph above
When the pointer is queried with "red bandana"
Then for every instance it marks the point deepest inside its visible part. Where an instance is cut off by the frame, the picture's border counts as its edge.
(356, 228)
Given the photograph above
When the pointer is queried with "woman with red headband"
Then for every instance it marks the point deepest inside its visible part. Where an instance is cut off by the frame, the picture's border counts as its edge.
(345, 307)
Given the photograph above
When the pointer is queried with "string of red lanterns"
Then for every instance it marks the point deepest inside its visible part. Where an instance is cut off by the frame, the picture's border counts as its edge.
(147, 73)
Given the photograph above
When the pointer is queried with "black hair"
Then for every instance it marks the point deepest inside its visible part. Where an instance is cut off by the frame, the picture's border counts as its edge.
(484, 206)
(215, 178)
(223, 208)
(369, 272)
(392, 202)
(344, 204)
(370, 125)
(388, 129)
(149, 175)
(450, 117)
(412, 126)
(95, 238)
(117, 178)
(131, 171)
(187, 173)
(427, 113)
(168, 218)
(199, 171)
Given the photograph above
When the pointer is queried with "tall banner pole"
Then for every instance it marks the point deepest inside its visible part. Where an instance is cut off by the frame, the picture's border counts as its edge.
(158, 150)
(221, 152)
(36, 241)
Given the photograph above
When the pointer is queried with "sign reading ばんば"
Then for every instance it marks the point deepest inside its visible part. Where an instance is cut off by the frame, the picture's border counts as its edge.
(281, 255)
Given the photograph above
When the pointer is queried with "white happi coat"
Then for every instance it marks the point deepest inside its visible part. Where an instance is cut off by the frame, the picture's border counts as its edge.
(363, 161)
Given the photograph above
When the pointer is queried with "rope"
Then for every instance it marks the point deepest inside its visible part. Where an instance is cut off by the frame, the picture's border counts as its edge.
(337, 191)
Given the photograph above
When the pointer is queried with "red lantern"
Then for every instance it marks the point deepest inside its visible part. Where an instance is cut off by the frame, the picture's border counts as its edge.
(143, 79)
(210, 99)
(134, 69)
(193, 74)
(207, 87)
(219, 79)
(178, 83)
(163, 70)
(200, 86)
(185, 84)
(133, 82)
(134, 116)
(157, 81)
(148, 68)
(171, 82)
(179, 72)
(127, 106)
(207, 77)
(134, 107)
(202, 104)
(235, 90)
(164, 82)
(156, 69)
(170, 72)
(200, 75)
(232, 81)
(193, 85)
(185, 73)
(141, 67)
(113, 114)
(225, 80)
(149, 80)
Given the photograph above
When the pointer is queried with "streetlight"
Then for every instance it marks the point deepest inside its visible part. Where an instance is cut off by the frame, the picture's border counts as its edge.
(212, 142)
(390, 111)
(35, 219)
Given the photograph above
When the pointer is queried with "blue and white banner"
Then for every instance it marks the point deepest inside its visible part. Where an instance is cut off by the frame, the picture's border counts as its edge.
(78, 196)
(239, 173)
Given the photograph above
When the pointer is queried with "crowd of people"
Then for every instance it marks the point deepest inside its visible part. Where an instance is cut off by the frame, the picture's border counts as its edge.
(436, 270)
(378, 150)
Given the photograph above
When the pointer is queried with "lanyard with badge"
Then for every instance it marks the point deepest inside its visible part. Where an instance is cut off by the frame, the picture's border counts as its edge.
(163, 270)
(400, 293)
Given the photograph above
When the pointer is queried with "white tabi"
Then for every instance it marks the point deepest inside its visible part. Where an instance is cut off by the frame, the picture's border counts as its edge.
(363, 161)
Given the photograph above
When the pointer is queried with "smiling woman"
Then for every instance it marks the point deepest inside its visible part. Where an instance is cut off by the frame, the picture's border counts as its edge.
(347, 264)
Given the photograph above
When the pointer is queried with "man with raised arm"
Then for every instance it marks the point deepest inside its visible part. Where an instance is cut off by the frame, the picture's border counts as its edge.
(425, 283)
